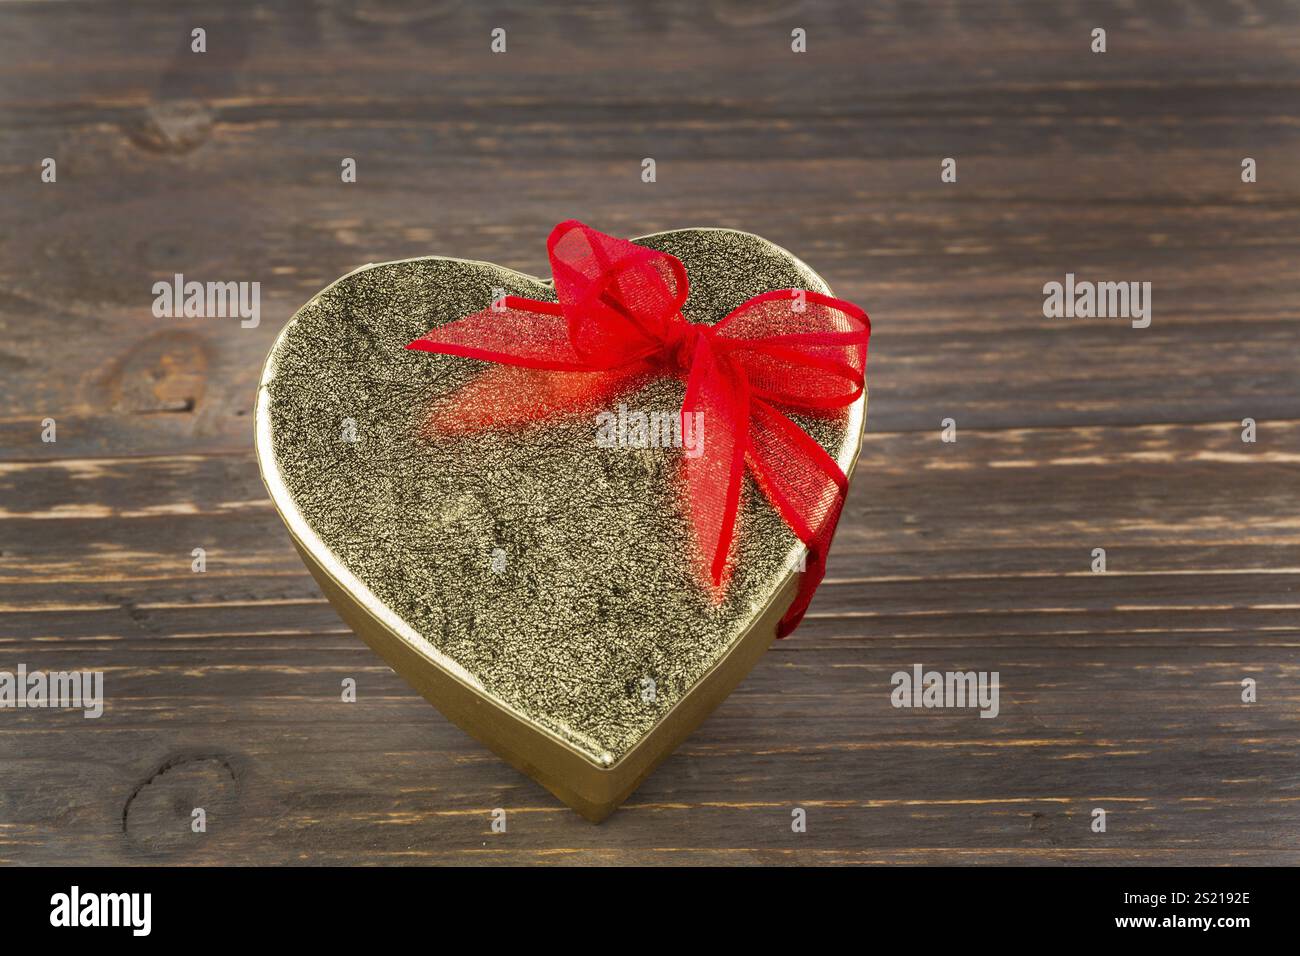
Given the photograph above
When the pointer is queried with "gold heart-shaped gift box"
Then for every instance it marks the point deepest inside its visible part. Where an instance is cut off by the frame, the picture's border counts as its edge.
(535, 588)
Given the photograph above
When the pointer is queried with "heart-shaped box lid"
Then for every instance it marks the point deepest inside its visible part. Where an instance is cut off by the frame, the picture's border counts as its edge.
(537, 588)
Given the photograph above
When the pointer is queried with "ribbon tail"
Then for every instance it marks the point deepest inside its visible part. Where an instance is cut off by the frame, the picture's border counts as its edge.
(538, 376)
(523, 332)
(514, 398)
(806, 485)
(715, 412)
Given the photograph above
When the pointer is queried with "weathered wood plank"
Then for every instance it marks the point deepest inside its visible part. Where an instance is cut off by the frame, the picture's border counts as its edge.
(1132, 676)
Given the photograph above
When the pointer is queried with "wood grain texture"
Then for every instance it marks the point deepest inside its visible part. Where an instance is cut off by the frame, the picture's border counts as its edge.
(1119, 691)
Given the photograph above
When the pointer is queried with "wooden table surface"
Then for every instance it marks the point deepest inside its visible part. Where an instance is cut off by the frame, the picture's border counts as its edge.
(1120, 691)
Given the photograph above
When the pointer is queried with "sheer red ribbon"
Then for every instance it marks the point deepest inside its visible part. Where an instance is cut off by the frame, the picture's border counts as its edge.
(619, 315)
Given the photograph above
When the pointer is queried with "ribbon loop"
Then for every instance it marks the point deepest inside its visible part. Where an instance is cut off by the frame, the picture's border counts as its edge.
(619, 314)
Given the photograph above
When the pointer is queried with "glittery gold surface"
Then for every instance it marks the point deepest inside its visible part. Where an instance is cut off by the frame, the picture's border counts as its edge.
(590, 592)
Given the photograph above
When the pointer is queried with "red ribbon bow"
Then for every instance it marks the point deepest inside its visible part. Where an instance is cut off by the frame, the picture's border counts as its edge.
(620, 314)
